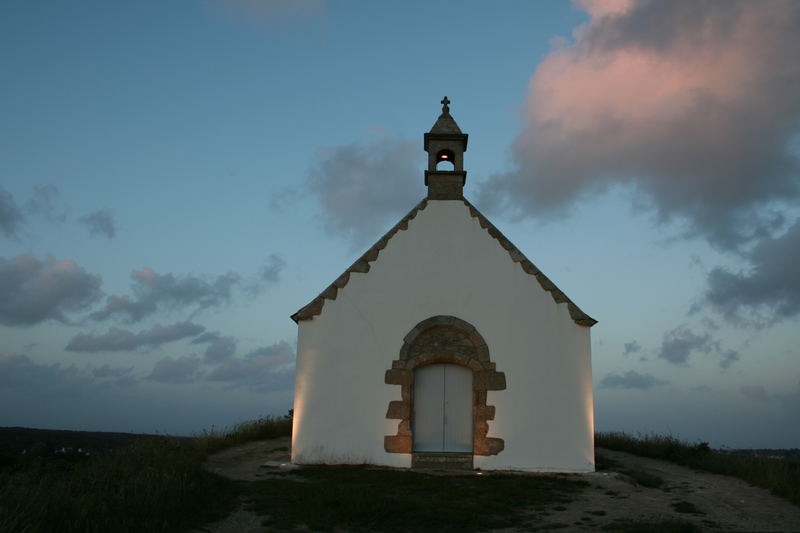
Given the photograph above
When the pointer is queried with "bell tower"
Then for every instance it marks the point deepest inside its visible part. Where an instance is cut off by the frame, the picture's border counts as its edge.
(445, 145)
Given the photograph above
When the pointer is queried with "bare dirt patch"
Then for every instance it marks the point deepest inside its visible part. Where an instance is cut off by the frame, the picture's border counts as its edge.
(710, 501)
(247, 462)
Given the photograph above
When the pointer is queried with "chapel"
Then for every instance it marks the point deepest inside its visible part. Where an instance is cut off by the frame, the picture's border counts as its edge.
(444, 346)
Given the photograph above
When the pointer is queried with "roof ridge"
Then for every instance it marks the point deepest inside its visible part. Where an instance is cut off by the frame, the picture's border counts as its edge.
(361, 265)
(578, 316)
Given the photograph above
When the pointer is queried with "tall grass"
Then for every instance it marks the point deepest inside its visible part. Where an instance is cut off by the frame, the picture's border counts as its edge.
(267, 427)
(154, 484)
(151, 485)
(779, 476)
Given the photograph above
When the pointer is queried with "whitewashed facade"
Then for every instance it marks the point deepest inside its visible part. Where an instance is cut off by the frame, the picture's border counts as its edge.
(444, 287)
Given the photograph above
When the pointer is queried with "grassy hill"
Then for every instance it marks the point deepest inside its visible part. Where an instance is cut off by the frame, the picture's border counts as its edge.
(134, 483)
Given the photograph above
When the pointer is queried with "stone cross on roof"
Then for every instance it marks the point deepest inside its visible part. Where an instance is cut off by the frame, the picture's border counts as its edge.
(445, 105)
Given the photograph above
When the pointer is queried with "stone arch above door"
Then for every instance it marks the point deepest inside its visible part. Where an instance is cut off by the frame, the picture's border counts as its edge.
(444, 339)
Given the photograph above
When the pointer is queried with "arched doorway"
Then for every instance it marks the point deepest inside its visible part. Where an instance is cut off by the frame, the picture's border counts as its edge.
(444, 342)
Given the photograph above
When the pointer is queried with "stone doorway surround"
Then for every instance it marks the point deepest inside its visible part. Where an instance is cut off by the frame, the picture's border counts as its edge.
(444, 339)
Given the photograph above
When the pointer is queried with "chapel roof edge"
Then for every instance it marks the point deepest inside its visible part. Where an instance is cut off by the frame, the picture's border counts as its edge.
(362, 265)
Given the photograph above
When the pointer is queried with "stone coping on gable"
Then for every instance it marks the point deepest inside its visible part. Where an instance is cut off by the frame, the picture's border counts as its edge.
(362, 265)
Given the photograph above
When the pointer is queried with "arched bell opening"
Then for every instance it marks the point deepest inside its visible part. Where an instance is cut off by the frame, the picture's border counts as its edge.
(445, 160)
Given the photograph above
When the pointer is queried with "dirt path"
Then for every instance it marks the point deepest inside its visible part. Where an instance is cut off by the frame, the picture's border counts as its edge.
(716, 503)
(713, 502)
(246, 462)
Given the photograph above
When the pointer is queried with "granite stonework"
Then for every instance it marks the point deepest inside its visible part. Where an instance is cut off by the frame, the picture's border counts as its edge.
(444, 339)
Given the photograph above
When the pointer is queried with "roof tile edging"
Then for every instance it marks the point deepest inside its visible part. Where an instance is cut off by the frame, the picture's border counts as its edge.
(578, 316)
(361, 265)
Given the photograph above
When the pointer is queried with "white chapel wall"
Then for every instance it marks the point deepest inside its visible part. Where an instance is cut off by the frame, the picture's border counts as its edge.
(445, 264)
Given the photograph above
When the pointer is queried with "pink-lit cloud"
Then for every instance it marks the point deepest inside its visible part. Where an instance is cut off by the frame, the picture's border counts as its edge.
(694, 103)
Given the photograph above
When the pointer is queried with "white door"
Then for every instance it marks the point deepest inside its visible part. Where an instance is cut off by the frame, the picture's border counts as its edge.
(442, 409)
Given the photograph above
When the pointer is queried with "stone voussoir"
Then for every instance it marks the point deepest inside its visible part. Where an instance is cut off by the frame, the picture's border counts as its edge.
(443, 339)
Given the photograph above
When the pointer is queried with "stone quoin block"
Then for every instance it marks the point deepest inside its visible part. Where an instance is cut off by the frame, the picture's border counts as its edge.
(443, 339)
(397, 443)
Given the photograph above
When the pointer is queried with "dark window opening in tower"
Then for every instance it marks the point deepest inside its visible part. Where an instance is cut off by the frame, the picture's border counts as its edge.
(445, 160)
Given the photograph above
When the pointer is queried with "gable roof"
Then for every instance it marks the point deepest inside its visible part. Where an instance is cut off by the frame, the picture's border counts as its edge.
(361, 265)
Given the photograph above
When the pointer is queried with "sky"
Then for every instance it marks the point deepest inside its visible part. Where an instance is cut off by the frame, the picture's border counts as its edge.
(177, 179)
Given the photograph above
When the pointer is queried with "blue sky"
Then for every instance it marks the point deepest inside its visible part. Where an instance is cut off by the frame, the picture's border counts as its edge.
(176, 180)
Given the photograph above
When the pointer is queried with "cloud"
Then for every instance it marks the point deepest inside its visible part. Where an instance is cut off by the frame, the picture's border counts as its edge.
(268, 274)
(788, 401)
(219, 347)
(176, 370)
(44, 395)
(32, 291)
(266, 368)
(19, 372)
(11, 216)
(107, 371)
(100, 223)
(769, 291)
(43, 202)
(754, 392)
(152, 291)
(272, 271)
(631, 380)
(118, 339)
(632, 347)
(121, 376)
(362, 187)
(678, 343)
(106, 398)
(728, 358)
(694, 104)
